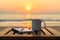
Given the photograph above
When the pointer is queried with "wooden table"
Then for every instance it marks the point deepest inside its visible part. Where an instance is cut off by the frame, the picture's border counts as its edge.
(46, 33)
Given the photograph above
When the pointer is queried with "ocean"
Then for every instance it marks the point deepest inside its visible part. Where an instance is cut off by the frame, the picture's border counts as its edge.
(54, 20)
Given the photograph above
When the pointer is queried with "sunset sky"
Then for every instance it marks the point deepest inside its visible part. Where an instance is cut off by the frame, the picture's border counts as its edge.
(26, 9)
(35, 5)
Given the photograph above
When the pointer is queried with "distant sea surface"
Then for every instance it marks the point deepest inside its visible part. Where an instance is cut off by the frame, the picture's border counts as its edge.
(12, 16)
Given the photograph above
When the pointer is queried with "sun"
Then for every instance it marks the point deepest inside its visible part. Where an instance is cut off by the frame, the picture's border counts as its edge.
(28, 7)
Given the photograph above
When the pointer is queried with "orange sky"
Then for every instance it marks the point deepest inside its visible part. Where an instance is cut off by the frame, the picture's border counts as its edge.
(36, 5)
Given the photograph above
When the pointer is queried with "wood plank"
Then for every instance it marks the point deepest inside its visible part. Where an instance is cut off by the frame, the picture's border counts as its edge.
(4, 31)
(55, 32)
(10, 33)
(42, 33)
(21, 35)
(17, 34)
(46, 32)
(26, 34)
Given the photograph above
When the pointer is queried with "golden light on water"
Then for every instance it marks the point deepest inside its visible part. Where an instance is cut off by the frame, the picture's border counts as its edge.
(28, 23)
(28, 16)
